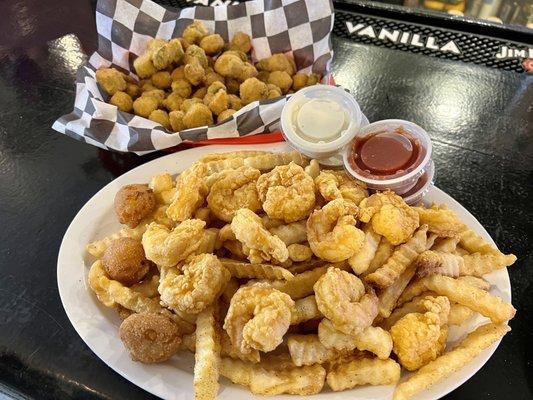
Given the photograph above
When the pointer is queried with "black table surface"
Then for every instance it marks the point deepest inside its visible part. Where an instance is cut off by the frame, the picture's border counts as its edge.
(479, 119)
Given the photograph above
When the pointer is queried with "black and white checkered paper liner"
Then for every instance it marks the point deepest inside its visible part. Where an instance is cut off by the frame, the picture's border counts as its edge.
(299, 28)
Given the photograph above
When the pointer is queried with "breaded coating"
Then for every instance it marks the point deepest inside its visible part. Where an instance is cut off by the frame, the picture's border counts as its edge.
(124, 261)
(182, 87)
(224, 115)
(277, 62)
(299, 81)
(123, 101)
(229, 65)
(212, 44)
(161, 80)
(150, 338)
(161, 117)
(111, 80)
(281, 79)
(173, 101)
(195, 32)
(198, 115)
(176, 120)
(253, 89)
(133, 203)
(241, 41)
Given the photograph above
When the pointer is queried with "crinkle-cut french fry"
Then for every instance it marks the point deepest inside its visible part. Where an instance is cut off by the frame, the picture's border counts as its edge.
(208, 241)
(229, 290)
(160, 183)
(271, 222)
(239, 269)
(363, 371)
(166, 196)
(299, 252)
(204, 214)
(298, 268)
(479, 264)
(473, 243)
(313, 169)
(373, 339)
(303, 381)
(388, 297)
(307, 350)
(111, 293)
(148, 287)
(225, 234)
(268, 161)
(430, 240)
(476, 299)
(433, 262)
(206, 357)
(226, 348)
(446, 245)
(302, 284)
(451, 361)
(236, 249)
(418, 287)
(232, 154)
(212, 167)
(98, 247)
(304, 310)
(295, 232)
(402, 257)
(383, 252)
(459, 314)
(442, 221)
(361, 260)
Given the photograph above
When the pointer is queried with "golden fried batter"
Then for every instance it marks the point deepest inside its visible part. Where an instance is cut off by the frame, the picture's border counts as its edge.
(111, 80)
(124, 261)
(212, 44)
(252, 89)
(150, 338)
(144, 105)
(123, 101)
(133, 203)
(241, 41)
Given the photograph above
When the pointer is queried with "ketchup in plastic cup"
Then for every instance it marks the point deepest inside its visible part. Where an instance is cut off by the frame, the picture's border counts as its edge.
(392, 154)
(320, 120)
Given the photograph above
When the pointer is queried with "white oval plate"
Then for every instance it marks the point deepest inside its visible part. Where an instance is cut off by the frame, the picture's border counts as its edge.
(98, 325)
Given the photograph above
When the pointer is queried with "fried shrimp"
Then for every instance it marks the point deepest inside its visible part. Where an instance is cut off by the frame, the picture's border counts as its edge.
(391, 216)
(191, 192)
(203, 280)
(133, 203)
(344, 300)
(167, 247)
(150, 338)
(287, 193)
(332, 233)
(249, 230)
(258, 317)
(338, 185)
(236, 189)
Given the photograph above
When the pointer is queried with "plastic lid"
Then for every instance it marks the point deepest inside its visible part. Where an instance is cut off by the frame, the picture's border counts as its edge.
(320, 120)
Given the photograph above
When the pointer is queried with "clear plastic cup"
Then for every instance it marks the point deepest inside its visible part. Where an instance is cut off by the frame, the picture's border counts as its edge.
(327, 152)
(422, 187)
(400, 182)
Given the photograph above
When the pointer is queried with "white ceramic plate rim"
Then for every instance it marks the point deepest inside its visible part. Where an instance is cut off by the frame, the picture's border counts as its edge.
(98, 326)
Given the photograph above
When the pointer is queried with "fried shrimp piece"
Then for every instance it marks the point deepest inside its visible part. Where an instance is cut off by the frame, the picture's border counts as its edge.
(124, 261)
(287, 192)
(150, 338)
(249, 230)
(202, 281)
(241, 42)
(277, 62)
(338, 185)
(360, 261)
(258, 317)
(111, 80)
(133, 203)
(191, 192)
(167, 247)
(332, 233)
(344, 300)
(295, 232)
(440, 220)
(235, 190)
(299, 252)
(421, 338)
(373, 339)
(391, 216)
(252, 89)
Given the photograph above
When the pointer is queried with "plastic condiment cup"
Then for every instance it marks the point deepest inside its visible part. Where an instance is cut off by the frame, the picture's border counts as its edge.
(325, 151)
(400, 184)
(414, 197)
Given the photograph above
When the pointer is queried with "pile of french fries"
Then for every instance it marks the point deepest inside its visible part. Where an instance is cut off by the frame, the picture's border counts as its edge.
(330, 287)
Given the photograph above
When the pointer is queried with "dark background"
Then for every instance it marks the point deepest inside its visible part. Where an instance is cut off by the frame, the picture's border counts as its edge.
(479, 119)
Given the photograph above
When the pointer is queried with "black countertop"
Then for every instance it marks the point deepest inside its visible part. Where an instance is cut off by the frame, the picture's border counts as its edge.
(480, 120)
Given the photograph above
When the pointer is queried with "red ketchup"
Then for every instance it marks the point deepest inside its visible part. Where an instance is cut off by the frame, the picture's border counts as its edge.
(386, 154)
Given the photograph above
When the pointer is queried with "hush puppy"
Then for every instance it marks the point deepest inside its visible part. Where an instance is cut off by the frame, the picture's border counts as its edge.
(133, 203)
(124, 261)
